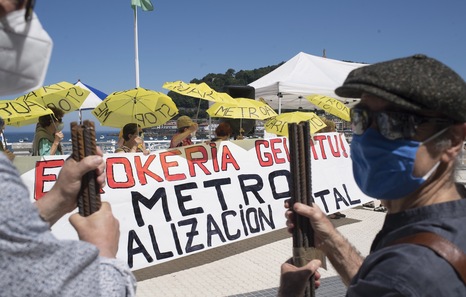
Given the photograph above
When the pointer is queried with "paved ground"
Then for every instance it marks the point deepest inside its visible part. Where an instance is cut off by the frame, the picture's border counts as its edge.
(251, 267)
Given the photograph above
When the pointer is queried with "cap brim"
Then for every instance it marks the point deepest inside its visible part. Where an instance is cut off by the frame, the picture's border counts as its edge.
(354, 90)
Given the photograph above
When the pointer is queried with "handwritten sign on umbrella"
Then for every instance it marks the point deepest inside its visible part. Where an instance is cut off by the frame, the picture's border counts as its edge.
(201, 91)
(17, 113)
(64, 95)
(331, 105)
(242, 108)
(279, 125)
(141, 106)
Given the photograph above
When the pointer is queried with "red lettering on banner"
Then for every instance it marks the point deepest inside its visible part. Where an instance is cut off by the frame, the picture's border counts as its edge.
(213, 149)
(320, 139)
(228, 158)
(267, 158)
(166, 165)
(276, 151)
(336, 144)
(143, 170)
(111, 182)
(342, 143)
(199, 161)
(41, 178)
(264, 159)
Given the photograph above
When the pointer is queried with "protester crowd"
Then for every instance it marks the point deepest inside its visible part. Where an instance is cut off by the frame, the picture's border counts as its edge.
(409, 129)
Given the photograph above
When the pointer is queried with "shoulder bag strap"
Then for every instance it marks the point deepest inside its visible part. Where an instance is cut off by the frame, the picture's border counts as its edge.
(440, 245)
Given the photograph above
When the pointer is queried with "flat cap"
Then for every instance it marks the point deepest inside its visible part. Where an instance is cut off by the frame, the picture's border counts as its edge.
(414, 83)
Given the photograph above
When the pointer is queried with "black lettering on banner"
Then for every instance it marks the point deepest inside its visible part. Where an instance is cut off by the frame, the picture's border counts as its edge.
(255, 188)
(263, 218)
(243, 221)
(349, 198)
(225, 225)
(218, 183)
(213, 229)
(276, 174)
(149, 203)
(177, 239)
(182, 199)
(255, 218)
(133, 237)
(190, 235)
(337, 196)
(158, 255)
(321, 195)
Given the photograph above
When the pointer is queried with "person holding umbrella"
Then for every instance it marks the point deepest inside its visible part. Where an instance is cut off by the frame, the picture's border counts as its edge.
(49, 134)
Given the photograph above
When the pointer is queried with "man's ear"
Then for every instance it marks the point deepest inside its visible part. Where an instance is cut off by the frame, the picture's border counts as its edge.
(457, 138)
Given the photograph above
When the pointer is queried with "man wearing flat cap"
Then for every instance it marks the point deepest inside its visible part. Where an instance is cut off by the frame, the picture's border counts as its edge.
(408, 131)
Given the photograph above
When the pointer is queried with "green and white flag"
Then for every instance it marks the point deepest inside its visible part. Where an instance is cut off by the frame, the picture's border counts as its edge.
(146, 5)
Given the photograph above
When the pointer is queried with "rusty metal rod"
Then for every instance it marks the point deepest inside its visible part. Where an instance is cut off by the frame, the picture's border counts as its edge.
(83, 144)
(301, 191)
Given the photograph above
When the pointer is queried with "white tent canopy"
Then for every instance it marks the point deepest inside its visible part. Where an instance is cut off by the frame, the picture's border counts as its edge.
(302, 75)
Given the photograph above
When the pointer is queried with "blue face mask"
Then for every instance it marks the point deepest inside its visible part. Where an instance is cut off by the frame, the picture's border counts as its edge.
(383, 168)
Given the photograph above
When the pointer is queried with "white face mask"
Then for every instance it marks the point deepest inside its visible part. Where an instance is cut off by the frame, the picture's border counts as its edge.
(25, 49)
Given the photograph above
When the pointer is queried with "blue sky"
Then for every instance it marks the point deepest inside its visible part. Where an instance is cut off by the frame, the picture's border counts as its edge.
(182, 40)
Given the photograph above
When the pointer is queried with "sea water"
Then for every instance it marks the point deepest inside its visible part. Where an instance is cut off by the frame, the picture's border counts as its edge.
(13, 137)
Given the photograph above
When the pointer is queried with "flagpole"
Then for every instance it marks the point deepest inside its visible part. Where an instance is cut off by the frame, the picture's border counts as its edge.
(136, 49)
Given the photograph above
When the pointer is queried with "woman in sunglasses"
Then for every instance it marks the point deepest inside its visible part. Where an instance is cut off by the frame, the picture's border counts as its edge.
(409, 129)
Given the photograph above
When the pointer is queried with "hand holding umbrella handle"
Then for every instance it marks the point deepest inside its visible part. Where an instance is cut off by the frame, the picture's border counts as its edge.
(83, 143)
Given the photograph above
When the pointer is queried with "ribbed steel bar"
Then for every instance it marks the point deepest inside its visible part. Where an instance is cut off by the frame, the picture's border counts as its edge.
(301, 191)
(84, 144)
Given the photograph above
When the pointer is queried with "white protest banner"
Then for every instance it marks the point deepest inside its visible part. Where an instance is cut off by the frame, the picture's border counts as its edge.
(176, 202)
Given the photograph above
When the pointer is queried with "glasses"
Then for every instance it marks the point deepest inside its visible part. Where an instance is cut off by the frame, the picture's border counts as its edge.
(391, 124)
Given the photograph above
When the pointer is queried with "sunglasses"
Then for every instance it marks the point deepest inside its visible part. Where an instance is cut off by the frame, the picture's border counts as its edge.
(391, 124)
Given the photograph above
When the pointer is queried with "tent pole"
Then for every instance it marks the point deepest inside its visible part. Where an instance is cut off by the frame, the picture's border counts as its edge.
(280, 96)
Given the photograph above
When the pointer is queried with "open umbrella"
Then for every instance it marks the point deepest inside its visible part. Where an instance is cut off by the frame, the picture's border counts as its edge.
(142, 106)
(331, 105)
(279, 125)
(62, 95)
(17, 113)
(242, 108)
(94, 98)
(201, 91)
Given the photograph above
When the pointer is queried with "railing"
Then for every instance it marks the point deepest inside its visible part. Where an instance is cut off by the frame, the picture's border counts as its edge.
(108, 147)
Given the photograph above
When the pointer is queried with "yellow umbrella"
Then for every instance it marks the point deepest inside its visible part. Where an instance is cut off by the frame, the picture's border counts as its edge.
(201, 91)
(142, 106)
(331, 105)
(242, 108)
(17, 113)
(279, 124)
(63, 95)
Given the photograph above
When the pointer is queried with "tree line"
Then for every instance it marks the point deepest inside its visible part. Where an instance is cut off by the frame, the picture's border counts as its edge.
(217, 81)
